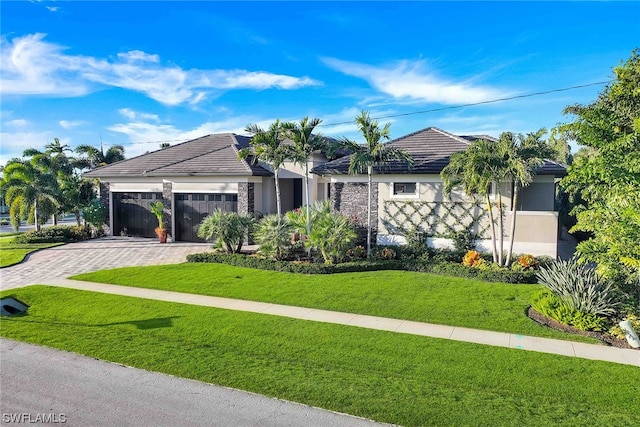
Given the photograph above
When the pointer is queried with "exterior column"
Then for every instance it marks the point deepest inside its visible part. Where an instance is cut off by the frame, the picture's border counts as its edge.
(246, 198)
(350, 199)
(105, 200)
(167, 198)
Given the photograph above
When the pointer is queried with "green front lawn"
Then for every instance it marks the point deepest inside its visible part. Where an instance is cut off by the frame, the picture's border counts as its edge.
(13, 253)
(394, 378)
(406, 295)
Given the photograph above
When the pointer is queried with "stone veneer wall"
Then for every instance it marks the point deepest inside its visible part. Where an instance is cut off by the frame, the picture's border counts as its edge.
(167, 195)
(104, 198)
(350, 199)
(246, 197)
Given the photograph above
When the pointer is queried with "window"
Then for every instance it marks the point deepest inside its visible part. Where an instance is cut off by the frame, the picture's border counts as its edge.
(405, 189)
(197, 197)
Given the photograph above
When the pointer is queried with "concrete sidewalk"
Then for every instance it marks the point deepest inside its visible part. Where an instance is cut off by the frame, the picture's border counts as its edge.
(500, 339)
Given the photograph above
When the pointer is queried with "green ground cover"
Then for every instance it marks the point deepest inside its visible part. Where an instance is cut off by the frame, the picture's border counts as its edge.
(405, 295)
(385, 376)
(13, 253)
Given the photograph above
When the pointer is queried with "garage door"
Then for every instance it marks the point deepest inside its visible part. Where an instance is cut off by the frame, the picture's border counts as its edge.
(192, 208)
(132, 214)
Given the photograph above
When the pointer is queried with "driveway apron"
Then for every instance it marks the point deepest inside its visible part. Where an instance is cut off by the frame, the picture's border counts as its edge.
(98, 254)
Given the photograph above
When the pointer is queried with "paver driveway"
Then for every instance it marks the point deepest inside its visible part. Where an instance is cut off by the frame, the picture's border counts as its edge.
(98, 254)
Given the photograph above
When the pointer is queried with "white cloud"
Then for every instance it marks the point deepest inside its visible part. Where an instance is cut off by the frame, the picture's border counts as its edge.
(17, 123)
(128, 113)
(411, 80)
(53, 8)
(32, 66)
(69, 124)
(145, 136)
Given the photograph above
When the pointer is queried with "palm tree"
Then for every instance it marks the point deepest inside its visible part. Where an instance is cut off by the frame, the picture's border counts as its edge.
(305, 142)
(372, 153)
(524, 155)
(267, 146)
(513, 158)
(475, 170)
(27, 186)
(95, 157)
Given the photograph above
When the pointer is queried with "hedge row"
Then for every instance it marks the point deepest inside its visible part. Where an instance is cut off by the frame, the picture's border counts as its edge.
(56, 234)
(456, 269)
(444, 268)
(240, 260)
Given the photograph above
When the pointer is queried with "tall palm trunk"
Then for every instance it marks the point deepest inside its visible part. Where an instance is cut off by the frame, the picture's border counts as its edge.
(493, 229)
(35, 214)
(516, 192)
(501, 236)
(369, 173)
(275, 176)
(306, 190)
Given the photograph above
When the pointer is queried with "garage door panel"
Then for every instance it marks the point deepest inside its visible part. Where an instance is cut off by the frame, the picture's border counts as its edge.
(133, 216)
(192, 208)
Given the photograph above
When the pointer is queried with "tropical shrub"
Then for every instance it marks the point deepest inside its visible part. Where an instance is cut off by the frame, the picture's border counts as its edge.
(331, 234)
(386, 253)
(579, 287)
(273, 234)
(228, 230)
(463, 240)
(556, 308)
(417, 241)
(297, 219)
(526, 262)
(617, 331)
(472, 259)
(356, 253)
(95, 213)
(55, 234)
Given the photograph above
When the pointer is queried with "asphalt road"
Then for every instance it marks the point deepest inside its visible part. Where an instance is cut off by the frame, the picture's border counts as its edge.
(42, 384)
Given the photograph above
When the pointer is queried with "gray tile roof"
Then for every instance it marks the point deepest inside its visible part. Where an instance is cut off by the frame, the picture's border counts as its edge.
(209, 155)
(430, 149)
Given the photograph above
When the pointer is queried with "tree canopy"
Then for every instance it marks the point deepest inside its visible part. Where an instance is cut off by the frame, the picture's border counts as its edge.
(607, 178)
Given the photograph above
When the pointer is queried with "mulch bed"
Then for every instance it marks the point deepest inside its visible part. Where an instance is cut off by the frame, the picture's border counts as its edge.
(554, 324)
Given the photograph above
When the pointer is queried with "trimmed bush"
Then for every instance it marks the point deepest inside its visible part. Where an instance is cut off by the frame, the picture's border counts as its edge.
(293, 267)
(443, 268)
(488, 274)
(56, 234)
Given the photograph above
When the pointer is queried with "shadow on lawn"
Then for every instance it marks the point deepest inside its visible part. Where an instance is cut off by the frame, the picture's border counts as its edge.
(155, 323)
(145, 324)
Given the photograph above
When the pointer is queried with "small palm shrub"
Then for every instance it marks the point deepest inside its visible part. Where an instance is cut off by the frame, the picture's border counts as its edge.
(227, 230)
(273, 234)
(579, 287)
(332, 234)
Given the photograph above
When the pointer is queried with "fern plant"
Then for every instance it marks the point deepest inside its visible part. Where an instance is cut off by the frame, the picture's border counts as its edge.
(579, 286)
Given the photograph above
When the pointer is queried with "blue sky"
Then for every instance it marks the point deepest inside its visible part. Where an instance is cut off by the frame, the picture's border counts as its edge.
(140, 73)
